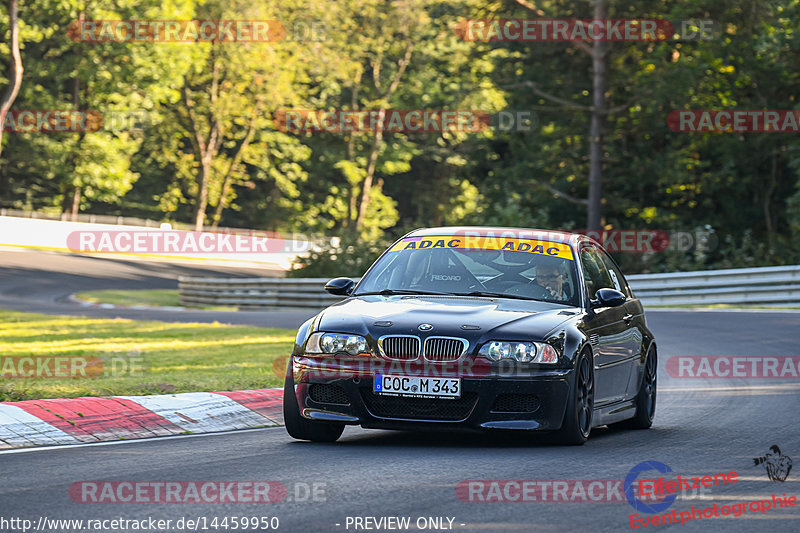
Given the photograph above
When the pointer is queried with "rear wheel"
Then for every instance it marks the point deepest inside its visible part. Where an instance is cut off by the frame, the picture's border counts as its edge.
(646, 398)
(580, 407)
(302, 428)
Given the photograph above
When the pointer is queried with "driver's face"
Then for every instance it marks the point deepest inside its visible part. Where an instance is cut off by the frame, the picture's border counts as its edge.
(550, 279)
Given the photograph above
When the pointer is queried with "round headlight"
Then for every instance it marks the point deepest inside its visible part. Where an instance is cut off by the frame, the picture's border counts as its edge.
(332, 343)
(524, 352)
(355, 345)
(498, 350)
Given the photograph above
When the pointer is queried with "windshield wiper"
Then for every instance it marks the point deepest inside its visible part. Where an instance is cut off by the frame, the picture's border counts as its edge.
(393, 292)
(494, 295)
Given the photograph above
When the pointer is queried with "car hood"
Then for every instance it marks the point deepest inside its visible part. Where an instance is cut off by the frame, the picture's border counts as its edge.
(460, 316)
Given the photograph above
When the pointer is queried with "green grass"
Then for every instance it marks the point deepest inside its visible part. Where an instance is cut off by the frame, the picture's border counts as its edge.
(139, 357)
(153, 298)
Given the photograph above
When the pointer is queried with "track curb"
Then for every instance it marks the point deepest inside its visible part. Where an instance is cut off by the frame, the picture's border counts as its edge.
(97, 419)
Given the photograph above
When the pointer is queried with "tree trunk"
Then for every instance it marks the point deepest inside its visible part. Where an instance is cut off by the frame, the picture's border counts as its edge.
(76, 104)
(373, 160)
(352, 201)
(402, 64)
(15, 70)
(767, 195)
(596, 147)
(205, 149)
(76, 204)
(202, 195)
(237, 158)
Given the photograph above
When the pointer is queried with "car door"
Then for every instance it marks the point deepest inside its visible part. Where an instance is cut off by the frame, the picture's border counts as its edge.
(634, 320)
(608, 333)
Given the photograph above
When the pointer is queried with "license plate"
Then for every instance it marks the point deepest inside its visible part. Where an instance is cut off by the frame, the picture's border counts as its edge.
(417, 387)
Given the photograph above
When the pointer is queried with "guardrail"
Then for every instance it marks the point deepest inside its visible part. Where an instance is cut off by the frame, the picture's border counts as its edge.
(741, 286)
(748, 286)
(256, 293)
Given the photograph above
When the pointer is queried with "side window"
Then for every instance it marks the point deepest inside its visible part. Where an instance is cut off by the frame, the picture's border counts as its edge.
(616, 275)
(595, 272)
(383, 278)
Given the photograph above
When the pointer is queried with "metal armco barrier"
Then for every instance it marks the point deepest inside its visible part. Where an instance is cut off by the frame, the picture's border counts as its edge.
(256, 293)
(779, 286)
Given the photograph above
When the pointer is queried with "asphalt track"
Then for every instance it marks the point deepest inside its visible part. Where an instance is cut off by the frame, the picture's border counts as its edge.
(702, 427)
(40, 282)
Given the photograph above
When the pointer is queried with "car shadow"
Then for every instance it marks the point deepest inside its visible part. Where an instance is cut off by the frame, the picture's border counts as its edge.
(459, 439)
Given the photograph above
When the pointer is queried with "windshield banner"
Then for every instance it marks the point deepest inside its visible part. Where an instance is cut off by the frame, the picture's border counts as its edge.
(479, 242)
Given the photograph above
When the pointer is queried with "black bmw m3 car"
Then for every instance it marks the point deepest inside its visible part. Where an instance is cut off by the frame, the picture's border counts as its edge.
(477, 328)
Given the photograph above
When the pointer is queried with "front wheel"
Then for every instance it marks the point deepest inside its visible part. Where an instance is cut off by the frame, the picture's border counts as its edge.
(302, 428)
(580, 407)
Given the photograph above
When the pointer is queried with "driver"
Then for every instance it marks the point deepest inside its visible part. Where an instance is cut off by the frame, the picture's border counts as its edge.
(550, 278)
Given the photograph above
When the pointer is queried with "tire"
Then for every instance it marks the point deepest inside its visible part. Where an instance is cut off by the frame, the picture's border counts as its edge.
(301, 428)
(580, 408)
(645, 398)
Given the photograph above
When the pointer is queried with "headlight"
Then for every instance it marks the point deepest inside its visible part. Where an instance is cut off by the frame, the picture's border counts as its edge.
(333, 343)
(523, 352)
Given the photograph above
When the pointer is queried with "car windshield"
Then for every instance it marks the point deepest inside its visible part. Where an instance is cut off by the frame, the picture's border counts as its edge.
(500, 267)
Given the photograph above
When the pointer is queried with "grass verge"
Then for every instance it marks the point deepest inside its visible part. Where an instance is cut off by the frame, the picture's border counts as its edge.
(150, 297)
(129, 357)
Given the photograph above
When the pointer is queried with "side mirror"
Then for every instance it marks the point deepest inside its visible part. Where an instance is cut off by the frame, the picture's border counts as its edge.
(340, 286)
(608, 298)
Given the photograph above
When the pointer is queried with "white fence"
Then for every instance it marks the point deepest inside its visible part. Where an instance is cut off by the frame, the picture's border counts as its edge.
(116, 220)
(777, 286)
(275, 252)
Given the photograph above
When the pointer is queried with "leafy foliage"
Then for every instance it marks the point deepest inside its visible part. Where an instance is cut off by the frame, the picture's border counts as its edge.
(348, 259)
(367, 188)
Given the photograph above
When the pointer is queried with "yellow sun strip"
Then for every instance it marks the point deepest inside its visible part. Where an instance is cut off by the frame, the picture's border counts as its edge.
(464, 242)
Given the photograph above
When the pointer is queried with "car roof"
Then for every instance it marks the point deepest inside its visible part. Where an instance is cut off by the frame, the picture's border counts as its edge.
(573, 239)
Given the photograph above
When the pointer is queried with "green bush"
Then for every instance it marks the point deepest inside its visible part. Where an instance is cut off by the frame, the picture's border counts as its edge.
(349, 259)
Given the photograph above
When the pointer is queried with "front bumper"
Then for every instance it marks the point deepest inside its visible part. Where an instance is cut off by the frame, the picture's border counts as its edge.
(340, 390)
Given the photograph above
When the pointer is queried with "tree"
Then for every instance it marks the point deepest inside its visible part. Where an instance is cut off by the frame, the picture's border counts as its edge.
(599, 55)
(15, 70)
(118, 81)
(227, 100)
